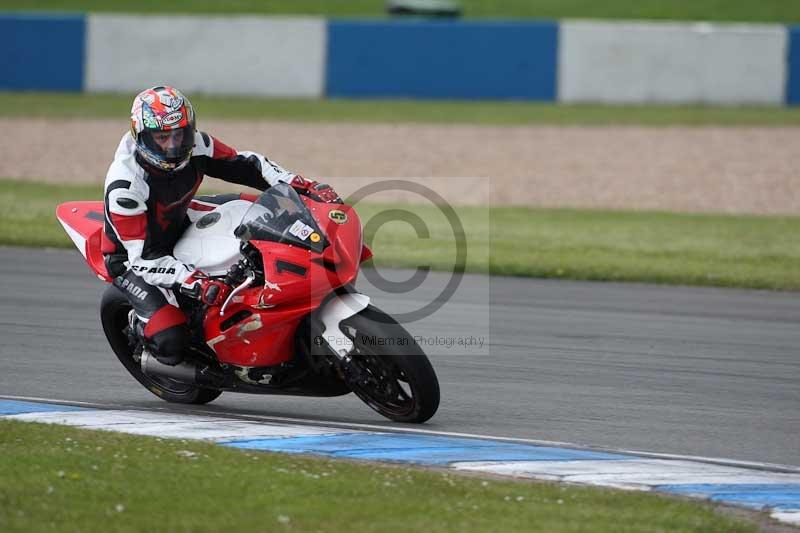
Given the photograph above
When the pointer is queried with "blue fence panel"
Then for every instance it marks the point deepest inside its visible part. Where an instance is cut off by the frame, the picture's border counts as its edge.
(793, 67)
(438, 59)
(41, 52)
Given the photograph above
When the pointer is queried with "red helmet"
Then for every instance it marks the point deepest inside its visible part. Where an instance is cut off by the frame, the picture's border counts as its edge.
(162, 125)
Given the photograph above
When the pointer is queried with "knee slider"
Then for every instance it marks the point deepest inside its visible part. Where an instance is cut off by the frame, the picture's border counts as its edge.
(168, 335)
(169, 344)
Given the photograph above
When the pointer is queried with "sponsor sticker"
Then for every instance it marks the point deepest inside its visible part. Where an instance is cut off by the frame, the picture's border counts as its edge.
(315, 237)
(301, 230)
(338, 216)
(172, 118)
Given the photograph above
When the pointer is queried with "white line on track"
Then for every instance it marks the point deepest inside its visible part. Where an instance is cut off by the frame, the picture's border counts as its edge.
(419, 431)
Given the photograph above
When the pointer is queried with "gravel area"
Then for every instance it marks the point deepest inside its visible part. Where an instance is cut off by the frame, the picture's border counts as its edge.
(696, 169)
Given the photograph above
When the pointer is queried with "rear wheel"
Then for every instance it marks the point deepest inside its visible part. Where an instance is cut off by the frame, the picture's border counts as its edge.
(114, 309)
(396, 377)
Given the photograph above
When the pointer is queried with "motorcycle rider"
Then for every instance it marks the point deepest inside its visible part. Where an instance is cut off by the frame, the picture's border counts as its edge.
(149, 195)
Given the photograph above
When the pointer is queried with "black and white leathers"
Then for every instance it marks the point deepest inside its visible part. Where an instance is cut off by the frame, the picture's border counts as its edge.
(146, 211)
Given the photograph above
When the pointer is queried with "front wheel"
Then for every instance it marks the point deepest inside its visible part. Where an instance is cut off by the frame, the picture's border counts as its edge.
(114, 309)
(396, 378)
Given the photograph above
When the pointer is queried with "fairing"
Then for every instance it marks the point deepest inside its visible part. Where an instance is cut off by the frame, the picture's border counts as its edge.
(258, 327)
(83, 222)
(279, 215)
(209, 243)
(297, 280)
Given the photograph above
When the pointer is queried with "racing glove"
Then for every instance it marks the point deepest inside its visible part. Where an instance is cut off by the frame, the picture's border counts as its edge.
(209, 291)
(321, 192)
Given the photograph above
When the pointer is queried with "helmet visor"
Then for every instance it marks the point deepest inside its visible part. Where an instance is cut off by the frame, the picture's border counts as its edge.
(172, 146)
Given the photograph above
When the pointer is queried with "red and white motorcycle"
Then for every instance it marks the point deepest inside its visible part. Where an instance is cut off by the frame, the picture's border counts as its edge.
(294, 323)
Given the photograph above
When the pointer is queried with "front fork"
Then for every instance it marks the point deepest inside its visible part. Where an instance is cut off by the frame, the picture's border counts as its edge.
(337, 309)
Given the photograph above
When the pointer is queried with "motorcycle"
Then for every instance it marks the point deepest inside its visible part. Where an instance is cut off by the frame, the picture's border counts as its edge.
(294, 324)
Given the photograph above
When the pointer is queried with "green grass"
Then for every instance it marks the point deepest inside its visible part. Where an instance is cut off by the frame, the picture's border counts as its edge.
(716, 250)
(722, 10)
(27, 211)
(56, 478)
(688, 249)
(71, 105)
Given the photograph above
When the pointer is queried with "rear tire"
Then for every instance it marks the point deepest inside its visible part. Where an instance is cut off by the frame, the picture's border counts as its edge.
(403, 387)
(114, 309)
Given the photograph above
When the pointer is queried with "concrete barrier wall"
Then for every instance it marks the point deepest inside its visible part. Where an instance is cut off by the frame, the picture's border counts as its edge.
(793, 83)
(469, 60)
(671, 63)
(41, 53)
(570, 61)
(216, 55)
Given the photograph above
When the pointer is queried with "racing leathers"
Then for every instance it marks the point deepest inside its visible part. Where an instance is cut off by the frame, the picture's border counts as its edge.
(147, 211)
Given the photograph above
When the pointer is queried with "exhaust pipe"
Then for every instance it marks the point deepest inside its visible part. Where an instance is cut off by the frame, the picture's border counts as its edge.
(184, 372)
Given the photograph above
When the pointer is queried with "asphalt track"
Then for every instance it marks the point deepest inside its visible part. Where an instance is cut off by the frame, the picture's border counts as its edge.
(689, 371)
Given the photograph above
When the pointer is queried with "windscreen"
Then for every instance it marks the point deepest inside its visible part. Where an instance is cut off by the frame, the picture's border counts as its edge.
(279, 215)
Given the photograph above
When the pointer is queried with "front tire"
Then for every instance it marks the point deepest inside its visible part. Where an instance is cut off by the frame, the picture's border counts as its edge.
(114, 309)
(400, 382)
